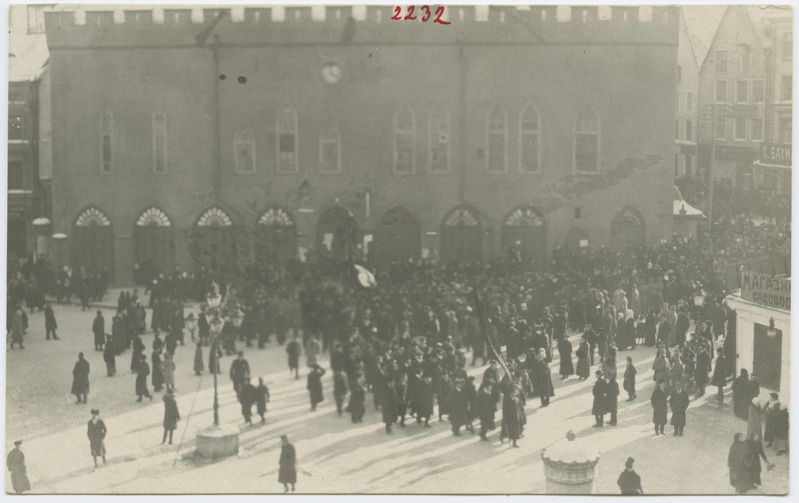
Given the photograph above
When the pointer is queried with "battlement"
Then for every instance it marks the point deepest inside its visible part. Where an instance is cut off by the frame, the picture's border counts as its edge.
(553, 23)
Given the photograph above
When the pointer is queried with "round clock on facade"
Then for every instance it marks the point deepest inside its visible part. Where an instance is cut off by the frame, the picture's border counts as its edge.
(331, 73)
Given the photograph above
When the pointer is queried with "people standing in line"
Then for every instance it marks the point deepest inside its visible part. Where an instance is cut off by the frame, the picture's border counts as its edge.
(737, 459)
(168, 371)
(198, 359)
(239, 371)
(288, 465)
(630, 482)
(96, 432)
(314, 385)
(248, 395)
(16, 465)
(612, 398)
(171, 415)
(262, 397)
(294, 349)
(720, 374)
(756, 452)
(50, 323)
(629, 379)
(142, 371)
(110, 358)
(98, 328)
(158, 372)
(679, 405)
(660, 408)
(80, 379)
(598, 408)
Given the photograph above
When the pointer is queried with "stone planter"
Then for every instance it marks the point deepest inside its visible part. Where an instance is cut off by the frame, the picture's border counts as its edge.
(218, 441)
(570, 466)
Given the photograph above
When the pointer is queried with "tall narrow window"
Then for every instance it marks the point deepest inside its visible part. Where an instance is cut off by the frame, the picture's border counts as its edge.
(756, 129)
(786, 128)
(159, 142)
(496, 140)
(742, 91)
(689, 131)
(721, 91)
(404, 141)
(244, 151)
(529, 140)
(758, 91)
(740, 128)
(16, 176)
(586, 141)
(787, 88)
(329, 150)
(721, 61)
(287, 141)
(689, 101)
(438, 126)
(107, 143)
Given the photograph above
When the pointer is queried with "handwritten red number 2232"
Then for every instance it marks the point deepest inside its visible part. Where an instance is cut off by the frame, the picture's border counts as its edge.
(410, 17)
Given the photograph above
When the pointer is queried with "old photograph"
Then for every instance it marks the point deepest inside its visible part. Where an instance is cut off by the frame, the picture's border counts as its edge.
(398, 249)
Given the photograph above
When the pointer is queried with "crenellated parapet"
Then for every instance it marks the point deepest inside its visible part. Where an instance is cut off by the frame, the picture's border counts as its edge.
(117, 26)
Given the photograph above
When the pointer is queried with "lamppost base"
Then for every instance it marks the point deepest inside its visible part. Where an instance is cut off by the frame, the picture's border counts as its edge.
(218, 441)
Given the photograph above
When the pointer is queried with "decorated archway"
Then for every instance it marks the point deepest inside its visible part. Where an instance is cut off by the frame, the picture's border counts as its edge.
(461, 235)
(93, 241)
(275, 237)
(628, 227)
(153, 243)
(524, 229)
(398, 237)
(336, 232)
(214, 242)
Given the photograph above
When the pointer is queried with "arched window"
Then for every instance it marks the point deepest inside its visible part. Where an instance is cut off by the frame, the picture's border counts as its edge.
(92, 216)
(107, 142)
(586, 141)
(287, 141)
(153, 216)
(438, 132)
(404, 141)
(529, 140)
(496, 140)
(244, 151)
(214, 217)
(159, 142)
(329, 150)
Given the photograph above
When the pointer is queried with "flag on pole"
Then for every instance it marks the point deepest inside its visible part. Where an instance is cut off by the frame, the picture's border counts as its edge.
(489, 333)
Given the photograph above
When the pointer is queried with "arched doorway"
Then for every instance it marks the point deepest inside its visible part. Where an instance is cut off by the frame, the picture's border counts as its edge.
(337, 231)
(276, 237)
(154, 244)
(628, 227)
(576, 239)
(398, 237)
(93, 243)
(524, 227)
(214, 243)
(461, 235)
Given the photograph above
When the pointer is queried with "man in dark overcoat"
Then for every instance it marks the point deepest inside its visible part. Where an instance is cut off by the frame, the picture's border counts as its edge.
(389, 405)
(288, 464)
(660, 408)
(720, 374)
(98, 328)
(50, 324)
(486, 409)
(612, 398)
(110, 358)
(96, 432)
(239, 371)
(459, 407)
(142, 371)
(80, 379)
(598, 408)
(249, 395)
(679, 405)
(315, 385)
(171, 415)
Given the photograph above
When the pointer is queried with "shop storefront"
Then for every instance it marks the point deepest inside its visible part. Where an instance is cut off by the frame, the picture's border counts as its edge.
(763, 326)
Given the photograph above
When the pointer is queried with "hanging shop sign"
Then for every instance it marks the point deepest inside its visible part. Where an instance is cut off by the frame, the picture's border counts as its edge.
(766, 290)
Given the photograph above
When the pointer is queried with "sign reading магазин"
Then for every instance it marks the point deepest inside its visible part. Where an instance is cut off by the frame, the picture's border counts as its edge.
(766, 290)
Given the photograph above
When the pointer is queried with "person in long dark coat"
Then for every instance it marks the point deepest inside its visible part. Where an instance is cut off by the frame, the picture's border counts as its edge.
(459, 408)
(740, 395)
(542, 384)
(50, 323)
(660, 408)
(171, 415)
(583, 362)
(138, 352)
(158, 374)
(755, 453)
(388, 403)
(262, 397)
(402, 393)
(771, 409)
(110, 358)
(612, 399)
(142, 371)
(565, 351)
(315, 385)
(198, 359)
(486, 409)
(598, 407)
(357, 405)
(651, 328)
(293, 350)
(96, 432)
(80, 379)
(16, 465)
(511, 417)
(248, 396)
(171, 343)
(340, 390)
(288, 464)
(720, 375)
(701, 371)
(239, 370)
(736, 462)
(679, 405)
(98, 328)
(423, 403)
(629, 379)
(681, 328)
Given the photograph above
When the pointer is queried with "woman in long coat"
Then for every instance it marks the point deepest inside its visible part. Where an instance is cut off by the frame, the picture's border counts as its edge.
(754, 422)
(423, 400)
(755, 453)
(80, 379)
(138, 353)
(262, 397)
(388, 403)
(679, 405)
(168, 369)
(782, 425)
(770, 410)
(315, 385)
(543, 379)
(565, 351)
(16, 465)
(288, 465)
(736, 462)
(660, 407)
(171, 415)
(158, 374)
(511, 419)
(357, 405)
(486, 408)
(740, 395)
(142, 372)
(583, 362)
(661, 366)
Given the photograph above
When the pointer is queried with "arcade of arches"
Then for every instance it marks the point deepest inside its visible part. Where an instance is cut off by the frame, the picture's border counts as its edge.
(398, 236)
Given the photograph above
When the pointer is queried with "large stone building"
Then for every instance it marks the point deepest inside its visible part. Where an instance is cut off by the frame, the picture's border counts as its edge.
(180, 138)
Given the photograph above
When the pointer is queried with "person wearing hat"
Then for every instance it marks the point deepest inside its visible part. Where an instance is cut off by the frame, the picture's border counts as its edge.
(248, 395)
(96, 432)
(458, 407)
(598, 409)
(288, 464)
(239, 370)
(171, 414)
(262, 397)
(293, 349)
(98, 328)
(80, 379)
(629, 482)
(660, 408)
(16, 465)
(142, 371)
(314, 385)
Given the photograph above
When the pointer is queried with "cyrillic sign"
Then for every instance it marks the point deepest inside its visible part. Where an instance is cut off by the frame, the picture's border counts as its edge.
(774, 153)
(766, 290)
